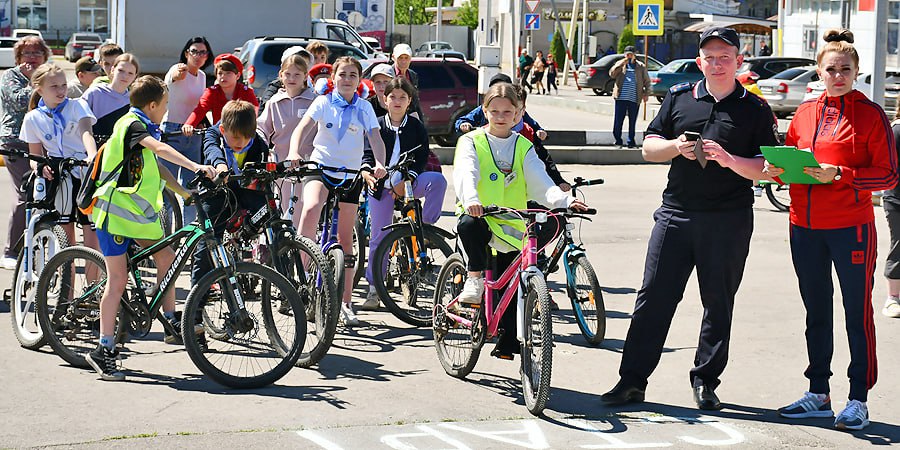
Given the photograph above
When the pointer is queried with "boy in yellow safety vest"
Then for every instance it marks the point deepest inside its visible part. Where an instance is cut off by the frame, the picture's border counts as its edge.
(128, 206)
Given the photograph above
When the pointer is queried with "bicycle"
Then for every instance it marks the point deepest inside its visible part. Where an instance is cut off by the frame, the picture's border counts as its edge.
(461, 330)
(778, 194)
(236, 297)
(582, 286)
(298, 258)
(42, 239)
(404, 265)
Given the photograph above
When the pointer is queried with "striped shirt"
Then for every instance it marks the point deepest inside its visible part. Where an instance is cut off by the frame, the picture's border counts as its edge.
(629, 85)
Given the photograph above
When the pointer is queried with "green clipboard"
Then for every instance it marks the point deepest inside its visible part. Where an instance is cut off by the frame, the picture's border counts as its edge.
(792, 160)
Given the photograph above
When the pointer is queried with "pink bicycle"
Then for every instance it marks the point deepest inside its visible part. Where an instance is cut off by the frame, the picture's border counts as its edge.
(460, 330)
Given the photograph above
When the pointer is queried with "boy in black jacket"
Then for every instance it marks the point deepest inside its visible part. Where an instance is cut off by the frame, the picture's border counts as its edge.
(230, 144)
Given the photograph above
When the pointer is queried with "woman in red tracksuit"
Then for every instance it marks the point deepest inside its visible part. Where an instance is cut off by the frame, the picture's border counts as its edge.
(834, 224)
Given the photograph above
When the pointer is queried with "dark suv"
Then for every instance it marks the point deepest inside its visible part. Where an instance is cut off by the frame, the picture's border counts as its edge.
(448, 89)
(765, 67)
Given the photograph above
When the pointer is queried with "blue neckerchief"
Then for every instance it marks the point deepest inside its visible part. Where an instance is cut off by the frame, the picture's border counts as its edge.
(152, 128)
(56, 113)
(229, 155)
(346, 112)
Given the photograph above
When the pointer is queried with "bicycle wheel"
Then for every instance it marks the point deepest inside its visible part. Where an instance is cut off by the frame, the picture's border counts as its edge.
(779, 195)
(249, 357)
(303, 264)
(456, 344)
(537, 346)
(171, 215)
(587, 299)
(360, 245)
(407, 289)
(335, 258)
(48, 240)
(68, 302)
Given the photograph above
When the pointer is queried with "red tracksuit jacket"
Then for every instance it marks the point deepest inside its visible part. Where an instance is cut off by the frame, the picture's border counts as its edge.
(213, 99)
(852, 132)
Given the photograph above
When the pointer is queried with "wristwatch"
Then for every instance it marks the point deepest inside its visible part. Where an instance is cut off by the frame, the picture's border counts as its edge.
(837, 176)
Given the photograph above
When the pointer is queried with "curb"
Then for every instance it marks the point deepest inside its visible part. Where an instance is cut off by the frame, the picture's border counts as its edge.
(585, 138)
(582, 104)
(572, 154)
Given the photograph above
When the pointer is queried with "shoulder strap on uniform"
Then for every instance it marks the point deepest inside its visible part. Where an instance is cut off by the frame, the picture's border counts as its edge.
(680, 87)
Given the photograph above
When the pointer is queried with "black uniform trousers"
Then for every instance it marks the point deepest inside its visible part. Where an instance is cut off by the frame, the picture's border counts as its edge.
(717, 244)
(852, 250)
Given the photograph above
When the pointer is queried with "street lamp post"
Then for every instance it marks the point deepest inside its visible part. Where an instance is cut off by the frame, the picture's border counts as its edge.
(410, 24)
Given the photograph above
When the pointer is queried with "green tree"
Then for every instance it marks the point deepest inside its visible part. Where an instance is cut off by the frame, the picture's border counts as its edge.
(467, 14)
(626, 38)
(558, 49)
(419, 16)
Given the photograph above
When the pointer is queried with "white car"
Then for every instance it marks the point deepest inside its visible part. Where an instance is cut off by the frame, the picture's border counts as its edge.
(7, 57)
(863, 84)
(22, 32)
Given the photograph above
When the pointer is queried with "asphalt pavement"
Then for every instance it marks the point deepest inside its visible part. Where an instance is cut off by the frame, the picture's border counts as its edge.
(382, 386)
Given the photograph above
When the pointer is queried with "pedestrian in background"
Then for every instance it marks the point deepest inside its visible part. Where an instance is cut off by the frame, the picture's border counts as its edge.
(537, 71)
(747, 51)
(833, 225)
(891, 204)
(764, 50)
(525, 62)
(706, 218)
(15, 91)
(552, 70)
(632, 87)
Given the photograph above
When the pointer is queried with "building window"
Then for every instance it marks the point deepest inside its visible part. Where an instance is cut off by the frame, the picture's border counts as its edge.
(809, 42)
(893, 29)
(93, 16)
(32, 14)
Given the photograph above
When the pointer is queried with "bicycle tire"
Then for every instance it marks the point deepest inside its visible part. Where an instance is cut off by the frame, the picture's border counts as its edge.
(48, 240)
(414, 287)
(465, 343)
(587, 300)
(172, 217)
(283, 346)
(71, 329)
(537, 351)
(360, 245)
(779, 196)
(321, 305)
(335, 258)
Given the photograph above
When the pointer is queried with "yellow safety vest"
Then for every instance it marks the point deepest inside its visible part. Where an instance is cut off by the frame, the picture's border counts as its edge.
(132, 211)
(494, 189)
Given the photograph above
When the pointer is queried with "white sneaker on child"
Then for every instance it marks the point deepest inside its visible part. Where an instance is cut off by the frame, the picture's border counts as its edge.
(348, 315)
(891, 307)
(372, 301)
(473, 291)
(854, 417)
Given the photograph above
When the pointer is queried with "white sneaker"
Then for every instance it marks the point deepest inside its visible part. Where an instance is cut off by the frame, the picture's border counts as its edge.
(811, 405)
(854, 417)
(348, 315)
(372, 301)
(473, 291)
(891, 307)
(8, 263)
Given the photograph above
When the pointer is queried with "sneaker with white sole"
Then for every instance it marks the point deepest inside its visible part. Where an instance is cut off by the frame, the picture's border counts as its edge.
(891, 307)
(855, 416)
(103, 360)
(473, 291)
(348, 315)
(8, 263)
(372, 301)
(811, 405)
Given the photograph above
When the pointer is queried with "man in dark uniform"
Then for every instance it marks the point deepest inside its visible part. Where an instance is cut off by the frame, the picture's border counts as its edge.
(705, 220)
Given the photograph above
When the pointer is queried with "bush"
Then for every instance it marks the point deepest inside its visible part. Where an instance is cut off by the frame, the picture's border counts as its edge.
(626, 38)
(558, 49)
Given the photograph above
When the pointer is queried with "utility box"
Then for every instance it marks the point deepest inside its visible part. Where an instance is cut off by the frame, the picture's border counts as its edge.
(487, 55)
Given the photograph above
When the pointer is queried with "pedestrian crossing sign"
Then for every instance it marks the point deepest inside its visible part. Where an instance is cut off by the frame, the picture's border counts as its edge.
(648, 17)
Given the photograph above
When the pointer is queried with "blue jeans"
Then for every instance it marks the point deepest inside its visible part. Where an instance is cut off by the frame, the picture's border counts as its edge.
(190, 147)
(625, 107)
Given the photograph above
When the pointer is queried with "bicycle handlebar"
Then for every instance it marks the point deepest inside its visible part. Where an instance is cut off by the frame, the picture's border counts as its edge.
(62, 163)
(579, 182)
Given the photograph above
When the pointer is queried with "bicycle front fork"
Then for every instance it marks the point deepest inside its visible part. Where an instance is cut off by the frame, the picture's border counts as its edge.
(238, 319)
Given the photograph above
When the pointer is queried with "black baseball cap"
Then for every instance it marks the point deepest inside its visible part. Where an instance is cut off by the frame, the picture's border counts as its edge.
(500, 78)
(726, 34)
(629, 49)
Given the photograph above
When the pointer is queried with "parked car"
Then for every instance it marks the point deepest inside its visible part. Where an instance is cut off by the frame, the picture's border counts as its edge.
(448, 89)
(374, 43)
(438, 49)
(596, 75)
(338, 30)
(19, 33)
(785, 90)
(81, 42)
(763, 67)
(7, 56)
(261, 56)
(863, 84)
(675, 72)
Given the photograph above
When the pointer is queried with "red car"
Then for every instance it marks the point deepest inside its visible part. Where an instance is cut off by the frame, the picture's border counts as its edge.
(448, 89)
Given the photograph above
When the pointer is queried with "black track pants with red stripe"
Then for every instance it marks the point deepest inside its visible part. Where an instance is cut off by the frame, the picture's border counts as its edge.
(852, 250)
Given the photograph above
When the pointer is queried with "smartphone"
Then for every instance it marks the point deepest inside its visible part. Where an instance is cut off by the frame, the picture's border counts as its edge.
(698, 146)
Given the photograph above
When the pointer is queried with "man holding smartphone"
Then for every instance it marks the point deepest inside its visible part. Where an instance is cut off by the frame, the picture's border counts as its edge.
(706, 217)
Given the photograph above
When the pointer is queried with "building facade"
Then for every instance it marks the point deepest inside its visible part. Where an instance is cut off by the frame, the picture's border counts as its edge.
(56, 19)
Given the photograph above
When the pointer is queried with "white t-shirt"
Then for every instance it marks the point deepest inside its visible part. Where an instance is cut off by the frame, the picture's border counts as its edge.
(38, 128)
(183, 95)
(327, 149)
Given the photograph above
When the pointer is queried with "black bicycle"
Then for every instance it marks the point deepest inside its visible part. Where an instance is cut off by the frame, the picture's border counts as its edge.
(406, 262)
(255, 345)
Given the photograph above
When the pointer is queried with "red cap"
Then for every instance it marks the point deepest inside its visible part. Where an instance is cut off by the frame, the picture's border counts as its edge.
(319, 69)
(234, 60)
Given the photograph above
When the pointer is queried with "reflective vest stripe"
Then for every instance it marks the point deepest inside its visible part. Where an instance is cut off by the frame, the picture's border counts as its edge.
(116, 210)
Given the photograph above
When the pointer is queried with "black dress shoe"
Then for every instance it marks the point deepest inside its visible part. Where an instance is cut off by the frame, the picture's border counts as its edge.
(706, 398)
(623, 393)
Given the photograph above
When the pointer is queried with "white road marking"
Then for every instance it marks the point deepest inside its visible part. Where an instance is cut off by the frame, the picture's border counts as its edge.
(536, 439)
(319, 440)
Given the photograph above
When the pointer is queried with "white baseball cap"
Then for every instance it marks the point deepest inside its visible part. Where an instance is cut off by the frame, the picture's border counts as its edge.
(402, 49)
(297, 49)
(382, 69)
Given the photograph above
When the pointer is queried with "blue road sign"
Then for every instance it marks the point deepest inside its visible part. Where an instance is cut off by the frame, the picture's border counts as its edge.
(532, 21)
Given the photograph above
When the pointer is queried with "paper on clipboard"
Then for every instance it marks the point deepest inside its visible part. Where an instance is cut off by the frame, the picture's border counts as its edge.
(793, 161)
